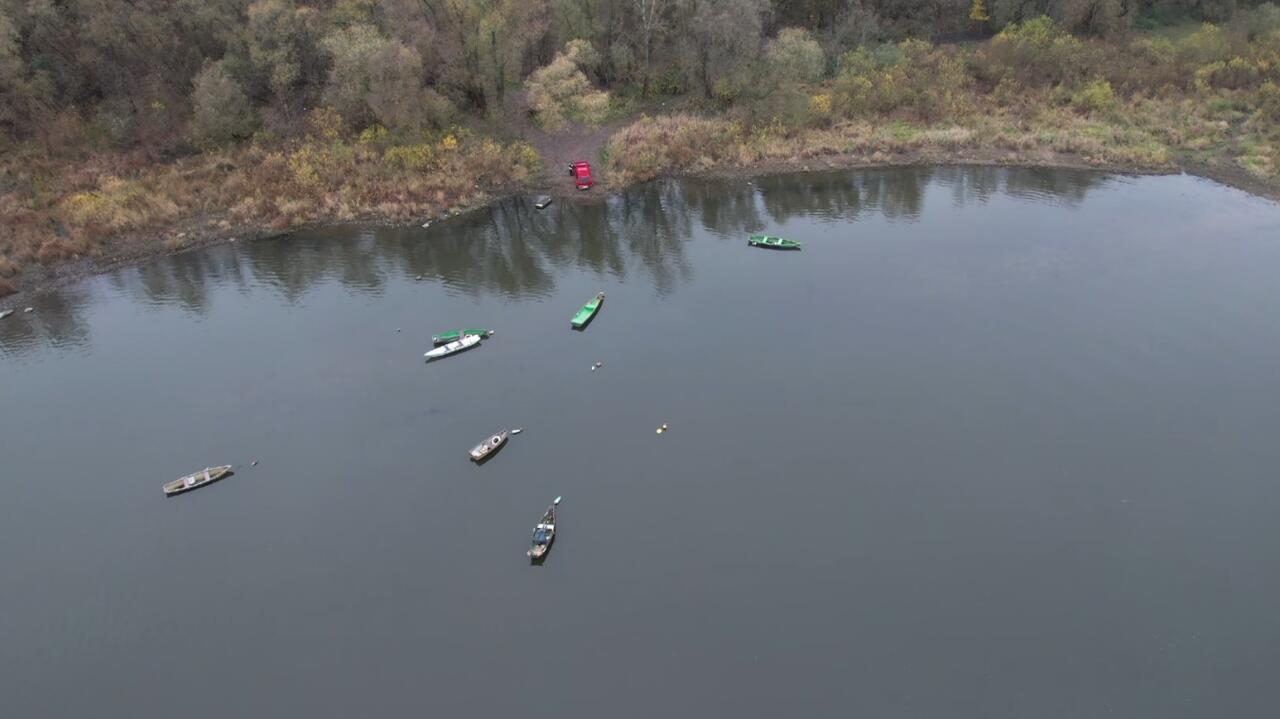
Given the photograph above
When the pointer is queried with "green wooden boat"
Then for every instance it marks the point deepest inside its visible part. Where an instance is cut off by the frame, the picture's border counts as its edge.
(445, 338)
(587, 312)
(776, 243)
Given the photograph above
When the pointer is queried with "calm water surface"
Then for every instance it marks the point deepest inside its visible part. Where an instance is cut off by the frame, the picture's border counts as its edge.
(996, 443)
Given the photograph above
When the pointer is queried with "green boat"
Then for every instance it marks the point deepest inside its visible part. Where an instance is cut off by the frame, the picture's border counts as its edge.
(445, 338)
(587, 312)
(776, 243)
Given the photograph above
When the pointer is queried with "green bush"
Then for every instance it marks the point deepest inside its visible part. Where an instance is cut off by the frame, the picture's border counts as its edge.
(913, 76)
(1037, 52)
(1095, 96)
(1267, 100)
(795, 57)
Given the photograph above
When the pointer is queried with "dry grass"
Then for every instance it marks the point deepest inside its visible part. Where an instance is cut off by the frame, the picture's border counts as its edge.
(1141, 133)
(54, 210)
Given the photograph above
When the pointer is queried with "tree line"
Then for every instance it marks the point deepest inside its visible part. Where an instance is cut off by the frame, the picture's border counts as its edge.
(170, 75)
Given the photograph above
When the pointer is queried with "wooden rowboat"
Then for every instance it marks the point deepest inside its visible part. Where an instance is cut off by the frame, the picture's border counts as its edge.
(588, 312)
(481, 452)
(542, 202)
(455, 335)
(466, 343)
(209, 475)
(544, 533)
(775, 243)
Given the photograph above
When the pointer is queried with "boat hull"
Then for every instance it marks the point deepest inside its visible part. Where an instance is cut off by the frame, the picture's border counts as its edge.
(445, 338)
(544, 535)
(486, 449)
(539, 553)
(587, 313)
(182, 486)
(462, 345)
(772, 243)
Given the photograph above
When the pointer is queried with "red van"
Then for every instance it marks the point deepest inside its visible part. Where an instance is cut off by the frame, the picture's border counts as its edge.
(580, 171)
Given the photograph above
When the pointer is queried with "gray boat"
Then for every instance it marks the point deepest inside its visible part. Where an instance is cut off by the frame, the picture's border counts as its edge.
(482, 451)
(544, 533)
(196, 480)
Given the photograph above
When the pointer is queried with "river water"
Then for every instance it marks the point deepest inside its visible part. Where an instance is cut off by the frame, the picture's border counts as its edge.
(996, 443)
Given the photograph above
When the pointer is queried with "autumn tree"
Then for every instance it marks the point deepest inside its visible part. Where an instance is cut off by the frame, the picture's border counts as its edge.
(221, 112)
(560, 91)
(719, 35)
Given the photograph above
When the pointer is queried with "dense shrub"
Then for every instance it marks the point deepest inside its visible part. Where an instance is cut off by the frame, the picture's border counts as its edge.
(1095, 96)
(1036, 52)
(794, 56)
(654, 145)
(912, 76)
(1267, 102)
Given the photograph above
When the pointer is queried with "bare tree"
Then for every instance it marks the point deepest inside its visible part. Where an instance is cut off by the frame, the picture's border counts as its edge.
(651, 18)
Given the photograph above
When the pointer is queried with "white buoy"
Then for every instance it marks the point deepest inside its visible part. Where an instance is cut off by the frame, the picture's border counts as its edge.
(254, 463)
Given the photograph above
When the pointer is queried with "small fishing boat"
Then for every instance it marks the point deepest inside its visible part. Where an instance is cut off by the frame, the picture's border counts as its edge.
(208, 475)
(776, 243)
(587, 312)
(481, 451)
(542, 202)
(455, 335)
(466, 343)
(544, 533)
(5, 313)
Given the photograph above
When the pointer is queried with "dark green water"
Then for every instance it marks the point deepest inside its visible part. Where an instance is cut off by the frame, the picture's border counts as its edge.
(997, 443)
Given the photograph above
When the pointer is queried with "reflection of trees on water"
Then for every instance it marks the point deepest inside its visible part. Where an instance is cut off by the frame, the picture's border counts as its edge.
(58, 321)
(1060, 187)
(899, 194)
(512, 249)
(184, 279)
(724, 207)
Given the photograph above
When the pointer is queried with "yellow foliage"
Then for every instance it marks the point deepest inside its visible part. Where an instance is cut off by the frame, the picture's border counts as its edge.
(410, 157)
(373, 135)
(326, 122)
(449, 143)
(820, 104)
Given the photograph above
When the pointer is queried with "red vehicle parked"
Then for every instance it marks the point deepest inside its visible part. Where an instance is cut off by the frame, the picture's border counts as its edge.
(580, 171)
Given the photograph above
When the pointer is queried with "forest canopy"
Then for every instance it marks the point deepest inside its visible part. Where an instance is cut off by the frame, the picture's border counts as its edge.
(175, 74)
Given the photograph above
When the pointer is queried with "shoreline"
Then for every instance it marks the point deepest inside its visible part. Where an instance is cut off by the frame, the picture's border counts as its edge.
(203, 232)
